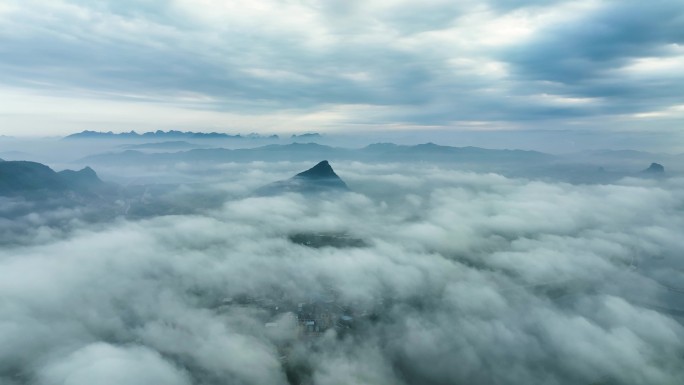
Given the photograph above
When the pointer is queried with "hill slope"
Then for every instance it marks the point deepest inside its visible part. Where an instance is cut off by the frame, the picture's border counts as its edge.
(31, 178)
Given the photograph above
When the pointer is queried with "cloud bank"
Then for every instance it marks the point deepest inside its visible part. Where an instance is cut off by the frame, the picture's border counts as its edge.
(462, 278)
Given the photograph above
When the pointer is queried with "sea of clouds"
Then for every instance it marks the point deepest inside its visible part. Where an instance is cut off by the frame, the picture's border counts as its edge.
(470, 279)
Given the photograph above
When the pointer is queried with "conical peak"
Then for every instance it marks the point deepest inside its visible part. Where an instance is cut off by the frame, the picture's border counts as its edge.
(88, 171)
(320, 171)
(655, 168)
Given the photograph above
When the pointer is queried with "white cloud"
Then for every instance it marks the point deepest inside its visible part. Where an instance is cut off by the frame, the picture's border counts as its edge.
(105, 364)
(514, 279)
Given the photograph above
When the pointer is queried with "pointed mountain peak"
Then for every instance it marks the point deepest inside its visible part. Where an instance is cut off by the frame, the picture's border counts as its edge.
(318, 179)
(655, 168)
(81, 178)
(320, 171)
(87, 171)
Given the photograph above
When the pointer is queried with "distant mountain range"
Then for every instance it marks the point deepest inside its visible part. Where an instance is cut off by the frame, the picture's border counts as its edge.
(385, 152)
(169, 145)
(307, 136)
(159, 134)
(23, 178)
(590, 167)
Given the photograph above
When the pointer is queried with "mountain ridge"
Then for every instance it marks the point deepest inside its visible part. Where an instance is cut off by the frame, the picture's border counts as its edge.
(159, 134)
(33, 178)
(313, 151)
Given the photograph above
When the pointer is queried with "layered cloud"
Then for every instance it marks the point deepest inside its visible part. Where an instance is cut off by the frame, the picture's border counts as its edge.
(291, 65)
(461, 278)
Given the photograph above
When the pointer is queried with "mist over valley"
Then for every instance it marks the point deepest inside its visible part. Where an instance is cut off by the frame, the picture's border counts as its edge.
(386, 264)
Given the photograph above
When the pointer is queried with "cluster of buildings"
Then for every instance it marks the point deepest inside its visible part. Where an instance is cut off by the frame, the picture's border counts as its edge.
(312, 317)
(316, 317)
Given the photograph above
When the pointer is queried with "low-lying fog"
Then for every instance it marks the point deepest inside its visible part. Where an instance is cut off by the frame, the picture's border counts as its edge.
(423, 274)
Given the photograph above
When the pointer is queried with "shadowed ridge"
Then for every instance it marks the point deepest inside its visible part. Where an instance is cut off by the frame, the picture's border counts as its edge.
(82, 179)
(17, 177)
(34, 179)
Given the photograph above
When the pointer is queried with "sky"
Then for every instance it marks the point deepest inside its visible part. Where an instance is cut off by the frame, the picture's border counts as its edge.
(342, 66)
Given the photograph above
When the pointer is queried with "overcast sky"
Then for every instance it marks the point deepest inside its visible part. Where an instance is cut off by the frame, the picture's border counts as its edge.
(341, 65)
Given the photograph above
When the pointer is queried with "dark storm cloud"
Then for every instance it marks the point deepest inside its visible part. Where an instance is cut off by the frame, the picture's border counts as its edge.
(586, 46)
(586, 55)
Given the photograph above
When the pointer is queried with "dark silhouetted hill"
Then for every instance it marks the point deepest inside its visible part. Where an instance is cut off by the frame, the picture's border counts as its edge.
(30, 178)
(318, 179)
(84, 179)
(655, 169)
(321, 171)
